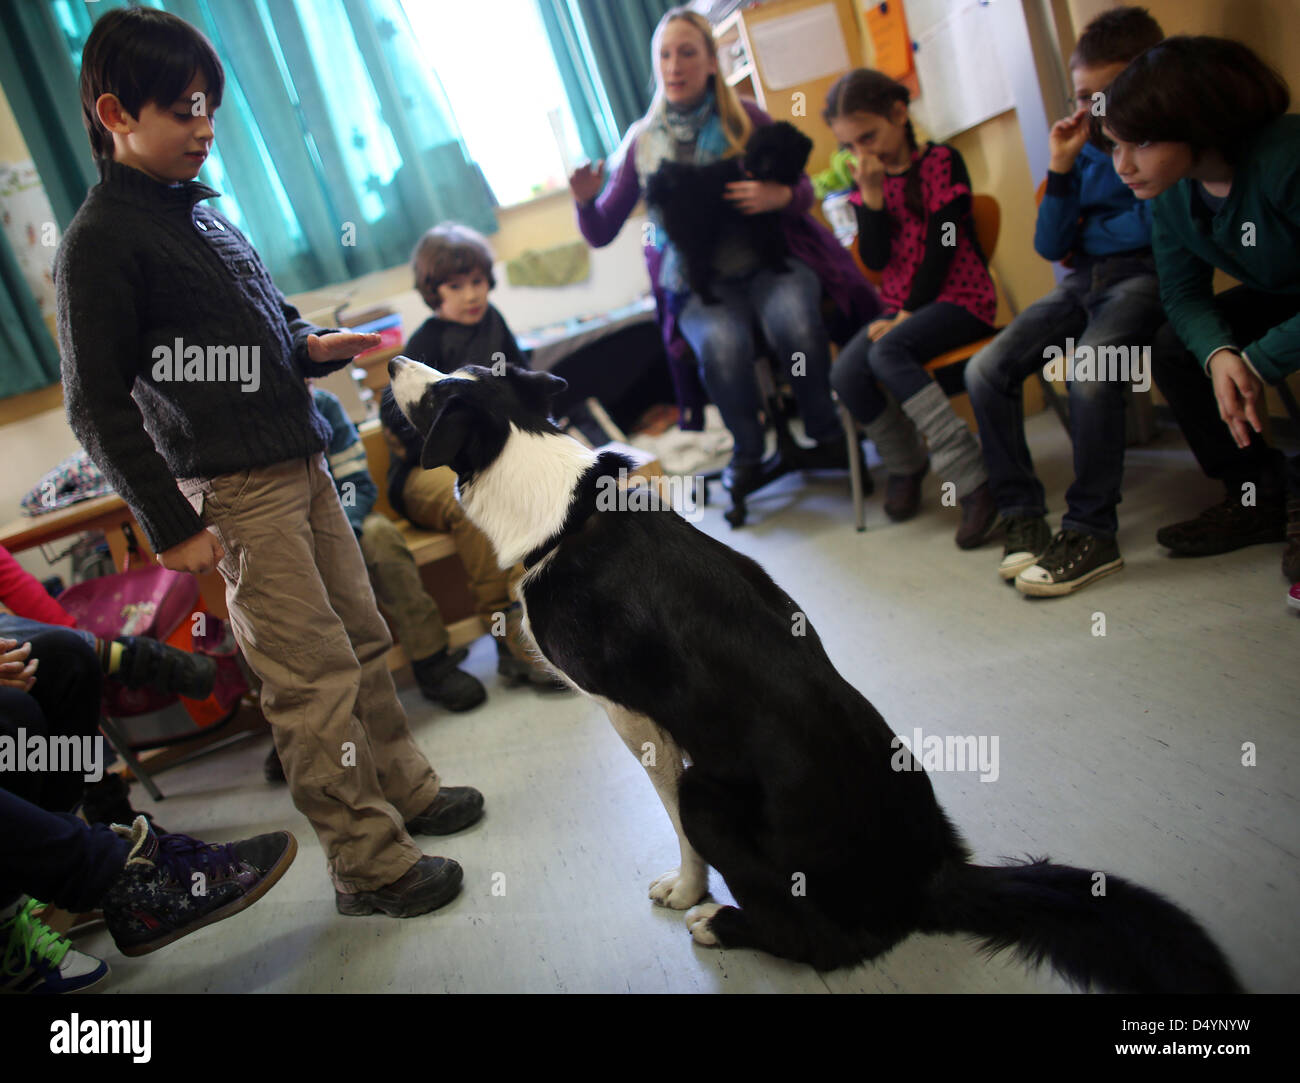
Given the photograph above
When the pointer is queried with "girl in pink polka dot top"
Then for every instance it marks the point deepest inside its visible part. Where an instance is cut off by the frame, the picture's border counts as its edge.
(913, 206)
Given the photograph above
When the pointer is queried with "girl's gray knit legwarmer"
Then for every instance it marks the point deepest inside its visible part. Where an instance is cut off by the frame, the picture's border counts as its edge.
(897, 441)
(954, 452)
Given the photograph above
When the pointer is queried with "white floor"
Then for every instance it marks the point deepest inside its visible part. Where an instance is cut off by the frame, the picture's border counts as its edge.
(1120, 752)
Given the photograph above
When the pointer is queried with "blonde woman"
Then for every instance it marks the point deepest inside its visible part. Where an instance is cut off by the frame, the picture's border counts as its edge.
(697, 118)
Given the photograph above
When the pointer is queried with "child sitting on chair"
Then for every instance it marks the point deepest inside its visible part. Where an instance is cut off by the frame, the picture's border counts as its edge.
(1110, 299)
(914, 225)
(453, 273)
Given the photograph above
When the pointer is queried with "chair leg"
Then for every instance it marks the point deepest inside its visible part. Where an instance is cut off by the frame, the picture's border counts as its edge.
(122, 746)
(856, 466)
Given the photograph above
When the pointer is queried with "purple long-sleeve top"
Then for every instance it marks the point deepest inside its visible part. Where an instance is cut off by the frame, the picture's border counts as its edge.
(855, 300)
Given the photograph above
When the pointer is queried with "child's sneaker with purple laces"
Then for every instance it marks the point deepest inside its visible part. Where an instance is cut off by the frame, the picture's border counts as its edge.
(173, 885)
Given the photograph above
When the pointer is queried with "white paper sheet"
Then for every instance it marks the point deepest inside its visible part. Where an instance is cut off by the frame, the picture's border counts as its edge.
(957, 65)
(798, 48)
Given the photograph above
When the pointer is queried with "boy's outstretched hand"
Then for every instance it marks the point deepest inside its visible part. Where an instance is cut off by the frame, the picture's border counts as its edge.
(339, 345)
(198, 554)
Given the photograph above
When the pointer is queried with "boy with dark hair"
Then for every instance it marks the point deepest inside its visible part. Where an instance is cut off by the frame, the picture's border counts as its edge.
(182, 361)
(1109, 306)
(452, 265)
(1199, 127)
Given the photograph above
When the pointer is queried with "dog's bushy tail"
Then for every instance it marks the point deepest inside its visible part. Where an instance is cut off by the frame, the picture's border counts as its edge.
(1127, 940)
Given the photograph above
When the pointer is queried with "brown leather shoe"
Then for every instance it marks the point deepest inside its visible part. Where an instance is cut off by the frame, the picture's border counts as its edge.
(980, 521)
(431, 882)
(903, 494)
(455, 808)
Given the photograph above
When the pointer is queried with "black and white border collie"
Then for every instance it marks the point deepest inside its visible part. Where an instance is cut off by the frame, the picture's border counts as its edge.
(773, 769)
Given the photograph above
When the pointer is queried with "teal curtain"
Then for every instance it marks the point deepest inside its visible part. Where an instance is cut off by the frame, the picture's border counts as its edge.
(28, 358)
(336, 147)
(602, 48)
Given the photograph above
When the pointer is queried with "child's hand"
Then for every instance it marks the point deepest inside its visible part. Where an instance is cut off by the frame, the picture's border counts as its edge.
(587, 181)
(869, 175)
(198, 554)
(878, 329)
(1237, 390)
(1066, 139)
(758, 197)
(16, 671)
(339, 345)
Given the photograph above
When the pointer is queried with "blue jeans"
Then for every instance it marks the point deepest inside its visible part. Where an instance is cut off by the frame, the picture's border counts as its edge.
(64, 702)
(1112, 302)
(56, 857)
(787, 309)
(897, 361)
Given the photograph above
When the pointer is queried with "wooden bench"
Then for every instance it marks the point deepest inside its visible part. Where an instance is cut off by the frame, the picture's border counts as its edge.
(435, 555)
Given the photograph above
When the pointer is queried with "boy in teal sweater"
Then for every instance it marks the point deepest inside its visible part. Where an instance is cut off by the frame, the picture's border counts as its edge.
(1199, 127)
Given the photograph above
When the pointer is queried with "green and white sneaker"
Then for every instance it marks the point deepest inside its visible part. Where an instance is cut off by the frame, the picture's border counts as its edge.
(1027, 539)
(39, 960)
(1071, 562)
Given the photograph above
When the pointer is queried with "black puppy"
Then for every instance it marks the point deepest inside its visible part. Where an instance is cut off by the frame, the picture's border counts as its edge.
(695, 215)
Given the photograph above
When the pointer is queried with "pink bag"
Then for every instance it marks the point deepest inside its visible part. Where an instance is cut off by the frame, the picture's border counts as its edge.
(147, 601)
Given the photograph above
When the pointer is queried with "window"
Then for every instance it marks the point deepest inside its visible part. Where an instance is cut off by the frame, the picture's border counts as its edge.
(495, 64)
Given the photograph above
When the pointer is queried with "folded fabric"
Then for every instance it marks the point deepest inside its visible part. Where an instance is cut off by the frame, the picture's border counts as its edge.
(75, 479)
(562, 265)
(690, 452)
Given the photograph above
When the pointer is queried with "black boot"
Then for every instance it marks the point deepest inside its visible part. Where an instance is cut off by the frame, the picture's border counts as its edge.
(108, 801)
(145, 661)
(442, 682)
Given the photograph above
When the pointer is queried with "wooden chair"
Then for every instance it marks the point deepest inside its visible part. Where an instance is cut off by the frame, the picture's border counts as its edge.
(987, 214)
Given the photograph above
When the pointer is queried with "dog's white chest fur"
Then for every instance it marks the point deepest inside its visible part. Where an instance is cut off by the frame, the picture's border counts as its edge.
(522, 499)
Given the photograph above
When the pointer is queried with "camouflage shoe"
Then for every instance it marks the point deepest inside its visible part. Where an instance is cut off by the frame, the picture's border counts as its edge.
(173, 885)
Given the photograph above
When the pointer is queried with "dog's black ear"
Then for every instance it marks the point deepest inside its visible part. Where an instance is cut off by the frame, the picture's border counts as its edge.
(449, 433)
(535, 389)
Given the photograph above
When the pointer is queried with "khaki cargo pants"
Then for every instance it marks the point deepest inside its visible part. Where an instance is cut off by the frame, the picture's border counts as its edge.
(303, 613)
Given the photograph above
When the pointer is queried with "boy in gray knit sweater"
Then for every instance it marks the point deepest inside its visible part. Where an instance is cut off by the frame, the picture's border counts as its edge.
(183, 372)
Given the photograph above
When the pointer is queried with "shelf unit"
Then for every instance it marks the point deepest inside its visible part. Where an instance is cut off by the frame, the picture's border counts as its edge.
(741, 67)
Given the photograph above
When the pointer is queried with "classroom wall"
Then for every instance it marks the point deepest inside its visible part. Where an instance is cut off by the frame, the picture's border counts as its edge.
(34, 434)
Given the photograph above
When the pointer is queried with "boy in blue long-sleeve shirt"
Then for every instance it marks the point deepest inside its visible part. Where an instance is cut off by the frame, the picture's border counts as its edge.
(1108, 308)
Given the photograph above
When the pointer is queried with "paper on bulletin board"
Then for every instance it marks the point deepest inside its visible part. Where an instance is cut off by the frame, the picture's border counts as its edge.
(891, 44)
(799, 48)
(961, 78)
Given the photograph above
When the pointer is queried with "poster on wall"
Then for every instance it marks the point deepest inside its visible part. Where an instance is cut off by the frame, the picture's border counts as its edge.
(29, 225)
(891, 44)
(957, 65)
(799, 48)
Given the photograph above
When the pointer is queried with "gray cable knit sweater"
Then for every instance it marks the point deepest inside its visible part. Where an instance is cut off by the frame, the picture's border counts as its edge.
(180, 357)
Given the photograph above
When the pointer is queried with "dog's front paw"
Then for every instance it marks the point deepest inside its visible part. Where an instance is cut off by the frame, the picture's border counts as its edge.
(697, 921)
(678, 890)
